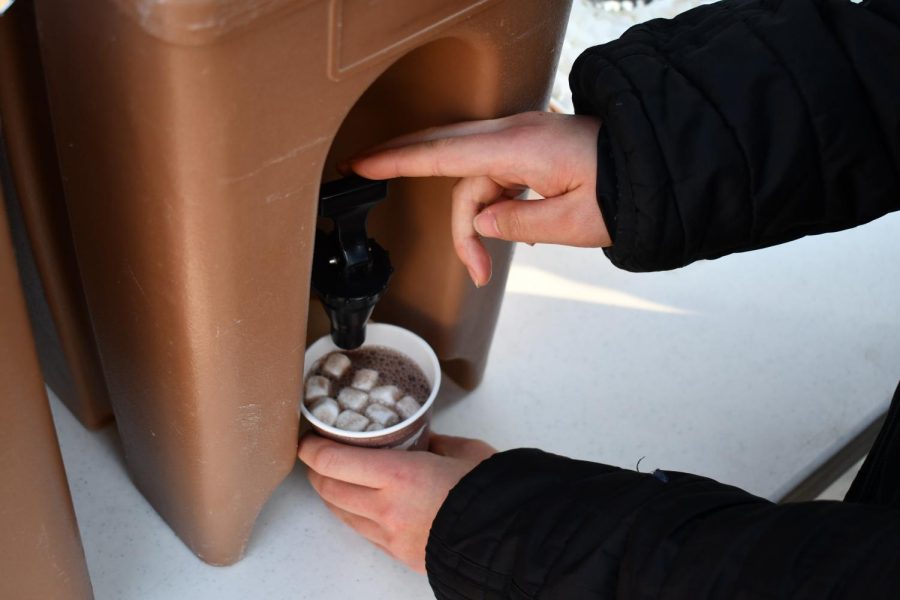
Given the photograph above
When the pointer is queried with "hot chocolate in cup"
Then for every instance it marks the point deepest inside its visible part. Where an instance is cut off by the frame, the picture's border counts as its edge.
(409, 434)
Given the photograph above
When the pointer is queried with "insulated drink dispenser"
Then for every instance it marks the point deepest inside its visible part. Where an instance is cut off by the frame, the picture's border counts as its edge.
(193, 139)
(40, 549)
(59, 315)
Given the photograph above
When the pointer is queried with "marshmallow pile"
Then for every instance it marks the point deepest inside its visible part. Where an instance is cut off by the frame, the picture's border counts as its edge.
(363, 405)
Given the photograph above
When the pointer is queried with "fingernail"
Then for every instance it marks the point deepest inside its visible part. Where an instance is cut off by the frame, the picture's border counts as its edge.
(472, 276)
(486, 224)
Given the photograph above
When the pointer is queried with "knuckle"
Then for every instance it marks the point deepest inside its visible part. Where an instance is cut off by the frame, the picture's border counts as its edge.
(408, 477)
(325, 487)
(390, 541)
(459, 194)
(459, 247)
(380, 512)
(314, 480)
(436, 151)
(516, 224)
(344, 517)
(509, 224)
(395, 525)
(326, 459)
(401, 475)
(389, 519)
(395, 165)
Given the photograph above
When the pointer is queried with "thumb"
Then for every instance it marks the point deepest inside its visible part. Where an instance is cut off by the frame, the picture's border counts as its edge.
(459, 447)
(572, 219)
(529, 221)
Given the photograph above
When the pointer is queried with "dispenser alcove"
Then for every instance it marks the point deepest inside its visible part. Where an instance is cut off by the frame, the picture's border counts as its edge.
(430, 292)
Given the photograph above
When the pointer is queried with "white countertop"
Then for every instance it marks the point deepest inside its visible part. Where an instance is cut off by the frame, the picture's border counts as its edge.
(751, 369)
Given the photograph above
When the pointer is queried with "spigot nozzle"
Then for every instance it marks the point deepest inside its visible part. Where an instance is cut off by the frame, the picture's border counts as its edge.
(350, 270)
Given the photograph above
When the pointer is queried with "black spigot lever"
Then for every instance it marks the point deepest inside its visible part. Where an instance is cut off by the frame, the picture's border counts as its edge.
(350, 270)
(347, 202)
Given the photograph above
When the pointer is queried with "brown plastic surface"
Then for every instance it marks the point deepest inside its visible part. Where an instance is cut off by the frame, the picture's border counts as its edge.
(40, 549)
(59, 316)
(193, 137)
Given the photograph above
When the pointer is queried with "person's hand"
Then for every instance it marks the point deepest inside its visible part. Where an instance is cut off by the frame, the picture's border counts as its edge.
(391, 497)
(555, 155)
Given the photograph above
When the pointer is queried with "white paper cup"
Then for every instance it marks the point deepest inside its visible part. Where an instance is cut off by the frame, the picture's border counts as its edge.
(411, 434)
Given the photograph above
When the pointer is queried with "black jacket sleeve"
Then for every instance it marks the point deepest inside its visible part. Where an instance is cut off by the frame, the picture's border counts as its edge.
(743, 124)
(735, 126)
(531, 525)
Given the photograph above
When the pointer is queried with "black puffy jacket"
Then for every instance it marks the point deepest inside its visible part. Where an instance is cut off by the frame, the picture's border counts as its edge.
(734, 126)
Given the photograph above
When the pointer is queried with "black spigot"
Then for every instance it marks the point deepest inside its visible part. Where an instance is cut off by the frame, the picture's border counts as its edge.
(350, 270)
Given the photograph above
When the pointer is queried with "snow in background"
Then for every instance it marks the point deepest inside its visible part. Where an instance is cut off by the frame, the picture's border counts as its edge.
(596, 22)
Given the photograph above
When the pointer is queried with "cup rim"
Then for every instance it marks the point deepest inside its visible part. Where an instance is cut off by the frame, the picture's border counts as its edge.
(368, 435)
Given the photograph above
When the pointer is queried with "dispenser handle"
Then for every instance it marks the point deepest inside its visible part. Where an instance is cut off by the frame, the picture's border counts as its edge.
(347, 202)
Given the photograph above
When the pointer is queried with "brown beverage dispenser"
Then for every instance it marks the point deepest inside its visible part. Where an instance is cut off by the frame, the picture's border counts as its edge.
(193, 137)
(40, 551)
(59, 317)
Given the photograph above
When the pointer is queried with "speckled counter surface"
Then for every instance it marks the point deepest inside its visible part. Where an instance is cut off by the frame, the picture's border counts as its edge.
(751, 369)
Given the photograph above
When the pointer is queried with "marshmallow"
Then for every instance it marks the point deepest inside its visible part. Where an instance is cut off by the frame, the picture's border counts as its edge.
(316, 387)
(382, 415)
(326, 410)
(350, 420)
(407, 407)
(351, 399)
(365, 379)
(386, 395)
(373, 427)
(336, 365)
